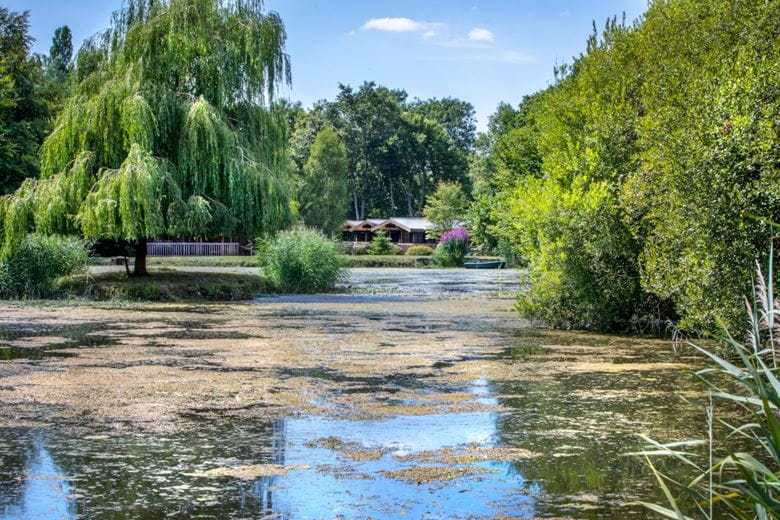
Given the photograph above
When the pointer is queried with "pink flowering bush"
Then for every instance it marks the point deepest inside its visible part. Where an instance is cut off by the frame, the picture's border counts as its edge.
(453, 247)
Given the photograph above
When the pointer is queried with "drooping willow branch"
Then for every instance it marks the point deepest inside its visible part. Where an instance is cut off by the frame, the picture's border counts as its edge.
(167, 130)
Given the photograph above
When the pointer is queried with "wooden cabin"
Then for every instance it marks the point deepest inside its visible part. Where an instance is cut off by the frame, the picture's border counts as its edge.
(403, 231)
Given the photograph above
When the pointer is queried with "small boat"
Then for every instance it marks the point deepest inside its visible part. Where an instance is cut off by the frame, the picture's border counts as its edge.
(485, 264)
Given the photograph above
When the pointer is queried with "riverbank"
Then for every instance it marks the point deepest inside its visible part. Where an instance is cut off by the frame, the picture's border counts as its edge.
(165, 285)
(360, 261)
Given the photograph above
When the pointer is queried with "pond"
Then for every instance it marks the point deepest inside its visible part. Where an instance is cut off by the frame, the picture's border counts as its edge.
(405, 398)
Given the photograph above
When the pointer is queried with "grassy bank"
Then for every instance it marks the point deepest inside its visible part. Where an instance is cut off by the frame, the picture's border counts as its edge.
(393, 261)
(166, 286)
(191, 261)
(386, 261)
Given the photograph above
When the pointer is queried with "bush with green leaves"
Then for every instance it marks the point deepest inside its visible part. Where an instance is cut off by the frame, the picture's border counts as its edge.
(30, 268)
(420, 251)
(381, 245)
(452, 249)
(583, 267)
(302, 260)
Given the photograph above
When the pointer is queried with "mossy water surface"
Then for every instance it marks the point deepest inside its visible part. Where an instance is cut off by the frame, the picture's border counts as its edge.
(362, 406)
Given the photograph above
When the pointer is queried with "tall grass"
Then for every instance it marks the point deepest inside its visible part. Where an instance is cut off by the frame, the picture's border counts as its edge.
(29, 269)
(302, 260)
(742, 484)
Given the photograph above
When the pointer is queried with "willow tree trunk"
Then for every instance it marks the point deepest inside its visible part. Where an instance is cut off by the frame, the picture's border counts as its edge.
(140, 258)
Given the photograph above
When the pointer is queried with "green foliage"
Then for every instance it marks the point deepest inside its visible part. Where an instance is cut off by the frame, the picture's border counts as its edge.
(582, 258)
(61, 52)
(729, 483)
(323, 195)
(29, 269)
(397, 151)
(455, 115)
(380, 245)
(155, 140)
(679, 128)
(446, 207)
(24, 109)
(302, 261)
(420, 251)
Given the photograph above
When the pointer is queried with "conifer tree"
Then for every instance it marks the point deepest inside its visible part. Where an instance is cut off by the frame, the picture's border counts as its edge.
(324, 197)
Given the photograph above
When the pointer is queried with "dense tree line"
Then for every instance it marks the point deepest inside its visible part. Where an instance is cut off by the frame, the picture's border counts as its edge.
(644, 183)
(398, 151)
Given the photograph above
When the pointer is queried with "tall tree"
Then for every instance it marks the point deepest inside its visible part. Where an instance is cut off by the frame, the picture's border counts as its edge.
(61, 52)
(446, 207)
(324, 196)
(23, 110)
(455, 115)
(167, 131)
(397, 155)
(644, 182)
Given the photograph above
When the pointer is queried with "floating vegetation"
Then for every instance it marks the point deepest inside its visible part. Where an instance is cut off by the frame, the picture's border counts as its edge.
(248, 472)
(469, 454)
(428, 474)
(352, 450)
(271, 409)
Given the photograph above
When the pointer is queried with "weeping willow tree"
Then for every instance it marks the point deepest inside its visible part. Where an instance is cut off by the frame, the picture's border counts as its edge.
(169, 131)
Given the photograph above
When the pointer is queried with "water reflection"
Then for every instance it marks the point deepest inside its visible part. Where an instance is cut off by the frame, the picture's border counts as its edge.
(39, 491)
(153, 476)
(316, 493)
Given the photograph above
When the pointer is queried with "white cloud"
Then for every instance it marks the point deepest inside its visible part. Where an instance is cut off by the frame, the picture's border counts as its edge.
(480, 34)
(402, 24)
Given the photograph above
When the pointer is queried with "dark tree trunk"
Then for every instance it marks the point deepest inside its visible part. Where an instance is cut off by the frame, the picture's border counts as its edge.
(140, 258)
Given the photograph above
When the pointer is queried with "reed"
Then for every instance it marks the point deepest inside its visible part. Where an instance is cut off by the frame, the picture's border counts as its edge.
(743, 484)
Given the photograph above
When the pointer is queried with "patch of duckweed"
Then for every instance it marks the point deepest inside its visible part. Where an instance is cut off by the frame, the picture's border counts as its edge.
(352, 450)
(469, 454)
(248, 471)
(429, 474)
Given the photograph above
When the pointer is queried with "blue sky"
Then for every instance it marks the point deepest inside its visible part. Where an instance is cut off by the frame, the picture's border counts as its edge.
(481, 51)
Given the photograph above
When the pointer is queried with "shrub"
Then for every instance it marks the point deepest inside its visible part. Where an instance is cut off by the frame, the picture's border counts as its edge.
(29, 269)
(302, 261)
(360, 250)
(453, 247)
(583, 261)
(380, 245)
(420, 251)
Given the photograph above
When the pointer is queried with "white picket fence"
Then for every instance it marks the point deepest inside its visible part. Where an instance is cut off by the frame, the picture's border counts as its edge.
(193, 249)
